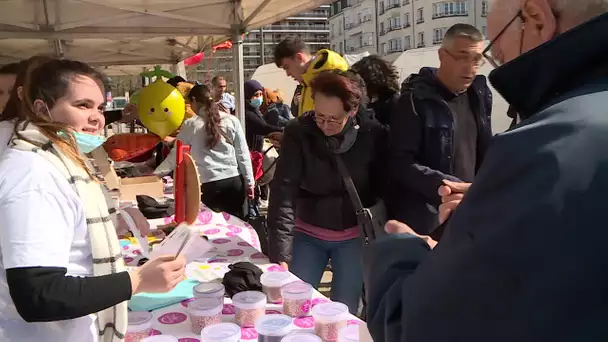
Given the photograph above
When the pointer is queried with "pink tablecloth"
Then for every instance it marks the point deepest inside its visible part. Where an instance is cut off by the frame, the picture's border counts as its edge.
(234, 241)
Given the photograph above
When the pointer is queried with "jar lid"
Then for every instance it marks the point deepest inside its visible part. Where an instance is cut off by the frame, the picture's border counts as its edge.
(207, 305)
(160, 338)
(222, 332)
(249, 300)
(139, 317)
(301, 337)
(349, 333)
(273, 325)
(209, 288)
(297, 287)
(275, 278)
(332, 311)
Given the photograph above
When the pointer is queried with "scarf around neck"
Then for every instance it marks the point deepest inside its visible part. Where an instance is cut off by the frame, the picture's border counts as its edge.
(106, 251)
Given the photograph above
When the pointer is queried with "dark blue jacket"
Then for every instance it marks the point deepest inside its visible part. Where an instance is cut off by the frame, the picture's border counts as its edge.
(422, 148)
(524, 256)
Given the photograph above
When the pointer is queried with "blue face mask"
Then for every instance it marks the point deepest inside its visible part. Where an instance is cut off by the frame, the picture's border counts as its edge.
(257, 102)
(87, 142)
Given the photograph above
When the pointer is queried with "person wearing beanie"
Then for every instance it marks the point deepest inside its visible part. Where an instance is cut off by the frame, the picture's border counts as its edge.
(256, 128)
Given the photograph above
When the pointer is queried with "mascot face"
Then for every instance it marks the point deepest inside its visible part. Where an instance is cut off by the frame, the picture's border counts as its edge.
(161, 108)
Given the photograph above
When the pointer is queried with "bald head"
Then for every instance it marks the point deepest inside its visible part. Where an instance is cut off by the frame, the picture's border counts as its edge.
(538, 22)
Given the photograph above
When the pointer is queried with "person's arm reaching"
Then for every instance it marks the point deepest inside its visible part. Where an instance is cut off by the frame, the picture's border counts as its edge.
(243, 157)
(284, 188)
(186, 134)
(256, 124)
(405, 143)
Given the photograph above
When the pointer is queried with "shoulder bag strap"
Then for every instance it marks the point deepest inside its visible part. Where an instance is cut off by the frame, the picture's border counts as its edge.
(362, 213)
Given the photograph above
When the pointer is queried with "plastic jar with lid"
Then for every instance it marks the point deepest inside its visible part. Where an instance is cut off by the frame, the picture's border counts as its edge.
(329, 319)
(223, 332)
(210, 290)
(297, 298)
(272, 328)
(140, 326)
(301, 337)
(272, 283)
(160, 338)
(248, 307)
(349, 333)
(204, 312)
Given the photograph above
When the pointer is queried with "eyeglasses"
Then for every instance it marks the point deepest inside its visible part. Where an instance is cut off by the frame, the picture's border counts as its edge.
(487, 52)
(475, 59)
(321, 121)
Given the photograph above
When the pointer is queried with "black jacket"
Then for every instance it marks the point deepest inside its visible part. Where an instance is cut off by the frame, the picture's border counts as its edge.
(256, 128)
(421, 147)
(278, 114)
(384, 107)
(308, 185)
(524, 256)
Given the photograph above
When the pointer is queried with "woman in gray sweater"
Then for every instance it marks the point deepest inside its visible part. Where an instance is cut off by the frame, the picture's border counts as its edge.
(220, 151)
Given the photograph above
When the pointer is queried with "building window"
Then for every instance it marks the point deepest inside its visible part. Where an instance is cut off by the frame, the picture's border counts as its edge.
(406, 20)
(438, 34)
(382, 28)
(394, 45)
(341, 48)
(406, 2)
(394, 23)
(381, 7)
(407, 42)
(484, 8)
(420, 18)
(450, 9)
(420, 39)
(484, 31)
(383, 50)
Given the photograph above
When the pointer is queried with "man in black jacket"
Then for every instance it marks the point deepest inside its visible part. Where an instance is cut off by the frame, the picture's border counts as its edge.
(440, 130)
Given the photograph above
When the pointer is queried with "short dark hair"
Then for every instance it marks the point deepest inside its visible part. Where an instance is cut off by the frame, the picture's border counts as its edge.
(463, 30)
(11, 69)
(380, 77)
(288, 48)
(345, 85)
(215, 80)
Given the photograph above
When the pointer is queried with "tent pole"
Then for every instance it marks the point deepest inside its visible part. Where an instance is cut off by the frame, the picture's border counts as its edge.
(238, 78)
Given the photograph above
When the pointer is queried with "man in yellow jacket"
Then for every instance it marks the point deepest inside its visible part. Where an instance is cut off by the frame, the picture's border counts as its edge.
(293, 56)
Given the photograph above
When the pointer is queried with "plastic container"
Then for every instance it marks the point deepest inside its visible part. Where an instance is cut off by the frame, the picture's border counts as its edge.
(272, 328)
(329, 319)
(210, 290)
(160, 338)
(301, 337)
(140, 326)
(297, 298)
(349, 333)
(272, 283)
(205, 312)
(248, 307)
(223, 332)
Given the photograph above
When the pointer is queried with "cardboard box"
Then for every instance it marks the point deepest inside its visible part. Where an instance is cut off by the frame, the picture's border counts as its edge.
(128, 187)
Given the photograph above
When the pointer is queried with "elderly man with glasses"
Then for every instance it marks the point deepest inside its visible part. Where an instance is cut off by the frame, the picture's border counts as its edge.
(524, 255)
(440, 130)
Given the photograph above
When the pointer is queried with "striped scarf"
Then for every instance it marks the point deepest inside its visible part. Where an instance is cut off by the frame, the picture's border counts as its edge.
(107, 257)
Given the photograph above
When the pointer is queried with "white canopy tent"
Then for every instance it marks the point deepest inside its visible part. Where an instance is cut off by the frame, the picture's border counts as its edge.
(412, 60)
(135, 32)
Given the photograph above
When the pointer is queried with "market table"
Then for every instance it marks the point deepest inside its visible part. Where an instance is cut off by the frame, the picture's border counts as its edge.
(234, 241)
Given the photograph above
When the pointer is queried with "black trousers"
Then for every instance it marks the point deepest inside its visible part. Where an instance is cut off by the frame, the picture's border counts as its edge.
(225, 195)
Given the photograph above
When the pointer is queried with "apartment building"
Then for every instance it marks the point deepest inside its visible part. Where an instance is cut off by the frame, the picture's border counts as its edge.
(407, 24)
(258, 45)
(353, 26)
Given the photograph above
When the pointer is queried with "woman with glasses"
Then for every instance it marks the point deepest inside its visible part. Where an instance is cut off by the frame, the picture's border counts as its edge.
(310, 206)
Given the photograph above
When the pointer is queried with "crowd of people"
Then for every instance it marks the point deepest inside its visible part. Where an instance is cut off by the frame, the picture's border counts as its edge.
(486, 237)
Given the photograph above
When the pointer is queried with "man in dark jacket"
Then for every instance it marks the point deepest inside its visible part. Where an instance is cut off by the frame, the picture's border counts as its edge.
(524, 256)
(440, 130)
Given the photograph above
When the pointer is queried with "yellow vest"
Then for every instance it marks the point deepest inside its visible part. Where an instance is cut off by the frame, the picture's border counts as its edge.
(323, 60)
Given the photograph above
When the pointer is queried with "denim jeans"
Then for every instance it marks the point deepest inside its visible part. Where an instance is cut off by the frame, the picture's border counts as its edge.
(310, 256)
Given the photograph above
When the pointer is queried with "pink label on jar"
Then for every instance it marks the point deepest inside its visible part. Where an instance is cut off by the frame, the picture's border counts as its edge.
(211, 231)
(220, 241)
(228, 309)
(304, 322)
(249, 334)
(306, 306)
(172, 318)
(185, 302)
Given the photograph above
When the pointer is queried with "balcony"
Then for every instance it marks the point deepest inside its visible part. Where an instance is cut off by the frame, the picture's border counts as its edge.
(419, 20)
(450, 14)
(405, 2)
(421, 45)
(394, 49)
(393, 5)
(297, 27)
(437, 41)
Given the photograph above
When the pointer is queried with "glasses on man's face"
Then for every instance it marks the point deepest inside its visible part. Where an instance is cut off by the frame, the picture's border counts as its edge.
(474, 59)
(487, 52)
(320, 121)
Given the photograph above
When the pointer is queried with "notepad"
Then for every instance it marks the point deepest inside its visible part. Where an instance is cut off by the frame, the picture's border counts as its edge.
(153, 301)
